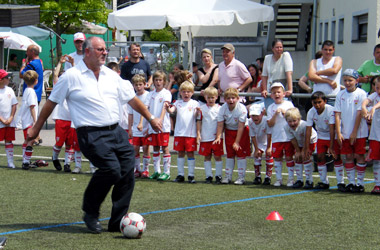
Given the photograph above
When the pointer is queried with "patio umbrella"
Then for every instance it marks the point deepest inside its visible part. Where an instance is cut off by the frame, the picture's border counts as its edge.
(153, 14)
(33, 32)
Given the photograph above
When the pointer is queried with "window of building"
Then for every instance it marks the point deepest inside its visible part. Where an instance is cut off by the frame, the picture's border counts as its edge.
(320, 33)
(341, 30)
(333, 25)
(326, 31)
(360, 27)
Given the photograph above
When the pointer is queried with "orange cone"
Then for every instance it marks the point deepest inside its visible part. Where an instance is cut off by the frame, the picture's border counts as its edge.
(274, 215)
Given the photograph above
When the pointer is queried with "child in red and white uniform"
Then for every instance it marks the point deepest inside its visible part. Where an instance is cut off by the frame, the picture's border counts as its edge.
(185, 131)
(206, 133)
(8, 106)
(155, 102)
(280, 142)
(351, 129)
(296, 131)
(373, 100)
(28, 114)
(233, 116)
(138, 128)
(322, 115)
(259, 132)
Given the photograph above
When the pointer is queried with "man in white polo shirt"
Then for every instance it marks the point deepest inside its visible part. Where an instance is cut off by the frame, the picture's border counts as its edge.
(77, 55)
(94, 94)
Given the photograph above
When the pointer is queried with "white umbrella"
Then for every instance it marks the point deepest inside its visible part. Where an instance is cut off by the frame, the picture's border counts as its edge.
(153, 14)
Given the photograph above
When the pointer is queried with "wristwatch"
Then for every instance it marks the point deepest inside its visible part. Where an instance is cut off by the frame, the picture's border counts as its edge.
(151, 118)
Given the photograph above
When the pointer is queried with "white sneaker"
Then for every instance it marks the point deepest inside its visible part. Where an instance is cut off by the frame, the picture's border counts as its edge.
(226, 180)
(76, 170)
(278, 183)
(11, 165)
(239, 181)
(290, 183)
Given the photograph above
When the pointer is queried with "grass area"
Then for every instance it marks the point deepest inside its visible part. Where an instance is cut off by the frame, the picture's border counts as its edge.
(44, 197)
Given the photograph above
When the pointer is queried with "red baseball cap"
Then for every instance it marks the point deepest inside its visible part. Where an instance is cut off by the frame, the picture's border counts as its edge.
(3, 74)
(79, 36)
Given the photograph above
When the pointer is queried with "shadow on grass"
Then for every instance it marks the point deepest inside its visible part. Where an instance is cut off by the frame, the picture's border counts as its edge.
(71, 228)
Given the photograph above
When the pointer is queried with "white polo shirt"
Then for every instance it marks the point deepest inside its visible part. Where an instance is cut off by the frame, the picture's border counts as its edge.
(186, 124)
(7, 100)
(155, 102)
(278, 131)
(29, 98)
(299, 134)
(92, 102)
(209, 122)
(232, 118)
(322, 121)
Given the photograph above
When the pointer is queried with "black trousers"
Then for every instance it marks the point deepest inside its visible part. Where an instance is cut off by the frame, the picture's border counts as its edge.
(109, 150)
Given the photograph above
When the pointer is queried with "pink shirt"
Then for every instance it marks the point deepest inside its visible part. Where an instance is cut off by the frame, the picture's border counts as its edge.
(233, 75)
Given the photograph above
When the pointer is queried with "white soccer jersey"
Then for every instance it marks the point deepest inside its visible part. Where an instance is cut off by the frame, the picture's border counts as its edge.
(259, 131)
(29, 98)
(232, 118)
(124, 116)
(375, 132)
(137, 117)
(7, 100)
(300, 133)
(348, 104)
(155, 102)
(186, 124)
(61, 112)
(209, 122)
(278, 131)
(322, 122)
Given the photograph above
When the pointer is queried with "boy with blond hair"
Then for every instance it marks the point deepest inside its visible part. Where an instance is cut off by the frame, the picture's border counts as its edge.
(233, 116)
(138, 128)
(8, 106)
(280, 143)
(185, 131)
(206, 132)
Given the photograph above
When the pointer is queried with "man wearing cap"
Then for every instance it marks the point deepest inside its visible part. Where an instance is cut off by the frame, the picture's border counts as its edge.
(369, 69)
(78, 54)
(232, 73)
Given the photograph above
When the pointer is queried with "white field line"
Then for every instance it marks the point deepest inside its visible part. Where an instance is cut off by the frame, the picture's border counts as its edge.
(199, 168)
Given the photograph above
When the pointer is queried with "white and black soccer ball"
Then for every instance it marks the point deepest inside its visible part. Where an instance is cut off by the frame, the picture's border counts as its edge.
(132, 225)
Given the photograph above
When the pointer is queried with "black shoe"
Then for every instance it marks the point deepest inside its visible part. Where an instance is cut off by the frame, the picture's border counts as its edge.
(3, 242)
(92, 224)
(257, 180)
(218, 180)
(358, 189)
(57, 164)
(208, 180)
(298, 184)
(179, 178)
(191, 179)
(322, 185)
(308, 185)
(266, 181)
(67, 168)
(341, 187)
(26, 166)
(349, 188)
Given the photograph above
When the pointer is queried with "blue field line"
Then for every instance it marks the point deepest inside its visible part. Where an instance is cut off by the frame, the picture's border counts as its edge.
(175, 209)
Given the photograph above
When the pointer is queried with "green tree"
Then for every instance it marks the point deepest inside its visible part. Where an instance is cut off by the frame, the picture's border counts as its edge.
(62, 15)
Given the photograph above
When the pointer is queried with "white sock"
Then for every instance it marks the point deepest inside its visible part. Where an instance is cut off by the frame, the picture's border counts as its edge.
(299, 171)
(191, 165)
(218, 168)
(9, 153)
(167, 161)
(242, 166)
(68, 156)
(350, 170)
(208, 170)
(308, 171)
(322, 170)
(376, 172)
(156, 162)
(278, 169)
(230, 164)
(56, 151)
(146, 160)
(78, 159)
(360, 167)
(181, 166)
(137, 163)
(339, 172)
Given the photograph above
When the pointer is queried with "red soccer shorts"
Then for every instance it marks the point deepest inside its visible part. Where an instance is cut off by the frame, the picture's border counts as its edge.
(278, 149)
(187, 144)
(7, 133)
(244, 143)
(25, 131)
(140, 141)
(207, 148)
(374, 149)
(75, 141)
(357, 148)
(63, 133)
(323, 145)
(159, 140)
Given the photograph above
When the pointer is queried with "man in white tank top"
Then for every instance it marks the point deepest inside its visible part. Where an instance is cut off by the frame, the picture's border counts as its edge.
(325, 72)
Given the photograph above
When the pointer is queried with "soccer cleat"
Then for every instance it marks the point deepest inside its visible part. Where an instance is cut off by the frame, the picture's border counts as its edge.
(218, 180)
(179, 178)
(145, 174)
(41, 163)
(92, 169)
(137, 174)
(26, 165)
(239, 181)
(349, 188)
(298, 184)
(322, 185)
(57, 164)
(155, 175)
(358, 189)
(209, 180)
(190, 179)
(163, 177)
(290, 183)
(308, 185)
(267, 181)
(257, 181)
(76, 170)
(226, 180)
(67, 168)
(341, 187)
(376, 190)
(3, 242)
(278, 183)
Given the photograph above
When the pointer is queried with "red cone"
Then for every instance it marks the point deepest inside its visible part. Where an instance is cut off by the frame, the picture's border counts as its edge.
(274, 216)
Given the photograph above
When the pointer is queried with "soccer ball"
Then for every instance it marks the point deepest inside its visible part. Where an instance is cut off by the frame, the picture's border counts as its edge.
(132, 225)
